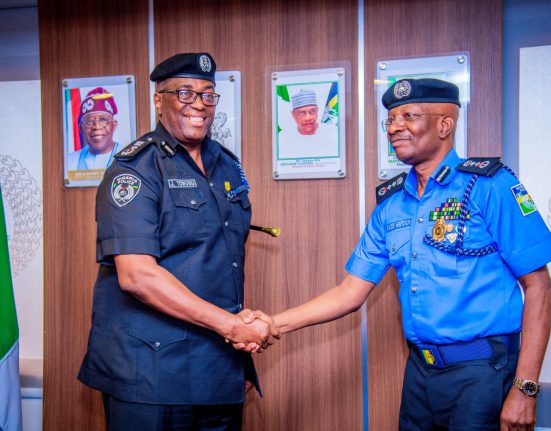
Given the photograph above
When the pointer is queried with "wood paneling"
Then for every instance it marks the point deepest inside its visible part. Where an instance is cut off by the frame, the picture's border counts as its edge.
(77, 39)
(401, 28)
(311, 379)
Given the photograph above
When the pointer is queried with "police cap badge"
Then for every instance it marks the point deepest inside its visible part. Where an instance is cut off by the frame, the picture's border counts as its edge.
(189, 65)
(425, 90)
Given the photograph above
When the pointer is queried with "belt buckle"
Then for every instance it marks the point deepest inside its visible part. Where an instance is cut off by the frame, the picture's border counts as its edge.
(431, 355)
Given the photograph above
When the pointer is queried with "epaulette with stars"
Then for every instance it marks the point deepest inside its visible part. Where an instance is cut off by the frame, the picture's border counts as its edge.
(390, 187)
(130, 151)
(485, 166)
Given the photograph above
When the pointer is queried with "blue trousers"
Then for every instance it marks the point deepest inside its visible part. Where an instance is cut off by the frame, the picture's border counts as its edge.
(127, 416)
(466, 396)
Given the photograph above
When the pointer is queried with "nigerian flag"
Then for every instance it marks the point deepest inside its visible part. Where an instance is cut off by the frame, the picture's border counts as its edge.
(10, 395)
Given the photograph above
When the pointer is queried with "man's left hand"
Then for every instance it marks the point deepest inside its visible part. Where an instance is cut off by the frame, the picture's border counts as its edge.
(518, 412)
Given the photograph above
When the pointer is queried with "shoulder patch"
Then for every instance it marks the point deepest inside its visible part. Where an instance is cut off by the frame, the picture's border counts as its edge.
(390, 187)
(485, 166)
(125, 188)
(524, 200)
(134, 148)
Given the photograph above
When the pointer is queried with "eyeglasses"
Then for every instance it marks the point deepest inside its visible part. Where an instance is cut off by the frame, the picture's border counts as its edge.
(189, 96)
(408, 118)
(101, 122)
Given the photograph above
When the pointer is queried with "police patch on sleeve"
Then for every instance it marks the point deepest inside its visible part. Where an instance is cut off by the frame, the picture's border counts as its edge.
(524, 200)
(125, 188)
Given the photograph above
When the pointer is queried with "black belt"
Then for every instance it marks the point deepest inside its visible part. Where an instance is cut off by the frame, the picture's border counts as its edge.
(442, 355)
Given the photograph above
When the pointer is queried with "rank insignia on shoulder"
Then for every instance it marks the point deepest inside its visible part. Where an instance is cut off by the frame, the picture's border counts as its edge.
(134, 148)
(390, 187)
(485, 166)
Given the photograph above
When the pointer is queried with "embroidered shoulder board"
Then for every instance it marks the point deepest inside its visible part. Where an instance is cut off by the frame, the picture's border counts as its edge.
(390, 187)
(485, 166)
(229, 153)
(130, 151)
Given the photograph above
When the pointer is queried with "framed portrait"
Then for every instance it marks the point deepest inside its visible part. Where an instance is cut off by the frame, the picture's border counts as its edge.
(99, 120)
(308, 114)
(454, 68)
(226, 127)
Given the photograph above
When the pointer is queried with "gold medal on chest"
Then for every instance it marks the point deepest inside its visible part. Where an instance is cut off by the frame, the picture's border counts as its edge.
(439, 229)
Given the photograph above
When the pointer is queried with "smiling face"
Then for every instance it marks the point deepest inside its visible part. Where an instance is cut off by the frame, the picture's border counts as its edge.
(98, 129)
(422, 133)
(189, 123)
(306, 119)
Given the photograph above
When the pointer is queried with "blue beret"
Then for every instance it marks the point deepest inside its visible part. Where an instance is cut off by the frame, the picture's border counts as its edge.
(191, 65)
(425, 90)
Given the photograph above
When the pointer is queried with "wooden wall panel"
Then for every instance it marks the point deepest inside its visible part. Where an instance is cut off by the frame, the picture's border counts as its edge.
(404, 28)
(77, 39)
(311, 379)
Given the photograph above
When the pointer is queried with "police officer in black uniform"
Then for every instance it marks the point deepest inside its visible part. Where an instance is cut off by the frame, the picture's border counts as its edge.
(173, 216)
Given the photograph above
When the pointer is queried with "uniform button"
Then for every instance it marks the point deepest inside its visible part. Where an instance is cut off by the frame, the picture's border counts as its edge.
(226, 223)
(234, 265)
(413, 289)
(414, 254)
(192, 202)
(157, 344)
(211, 184)
(420, 220)
(393, 249)
(241, 306)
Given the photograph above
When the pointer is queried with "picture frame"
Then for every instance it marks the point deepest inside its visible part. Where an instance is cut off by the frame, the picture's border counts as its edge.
(308, 116)
(453, 68)
(88, 151)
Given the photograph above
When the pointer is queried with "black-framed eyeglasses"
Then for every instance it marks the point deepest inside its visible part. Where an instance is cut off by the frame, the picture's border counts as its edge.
(189, 96)
(101, 122)
(408, 117)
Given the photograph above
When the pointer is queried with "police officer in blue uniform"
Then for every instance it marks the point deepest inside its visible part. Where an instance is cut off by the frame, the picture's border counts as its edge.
(173, 216)
(460, 234)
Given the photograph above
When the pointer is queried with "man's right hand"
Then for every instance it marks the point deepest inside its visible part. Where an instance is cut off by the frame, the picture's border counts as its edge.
(254, 320)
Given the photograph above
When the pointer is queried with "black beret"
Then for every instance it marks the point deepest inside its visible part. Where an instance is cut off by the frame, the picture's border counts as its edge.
(425, 90)
(190, 65)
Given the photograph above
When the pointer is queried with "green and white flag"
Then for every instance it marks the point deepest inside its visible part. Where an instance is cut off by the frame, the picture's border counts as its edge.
(10, 392)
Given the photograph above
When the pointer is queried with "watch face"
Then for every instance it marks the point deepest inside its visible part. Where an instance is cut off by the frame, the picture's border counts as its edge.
(530, 388)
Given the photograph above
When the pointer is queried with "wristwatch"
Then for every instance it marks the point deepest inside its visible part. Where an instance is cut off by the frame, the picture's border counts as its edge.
(528, 387)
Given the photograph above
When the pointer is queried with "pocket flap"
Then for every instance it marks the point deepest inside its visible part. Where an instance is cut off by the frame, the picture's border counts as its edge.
(187, 199)
(395, 242)
(156, 331)
(243, 199)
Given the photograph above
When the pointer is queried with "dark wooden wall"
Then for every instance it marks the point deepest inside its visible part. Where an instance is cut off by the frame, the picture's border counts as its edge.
(312, 379)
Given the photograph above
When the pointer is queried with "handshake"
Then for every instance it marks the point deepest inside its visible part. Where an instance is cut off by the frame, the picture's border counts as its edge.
(253, 331)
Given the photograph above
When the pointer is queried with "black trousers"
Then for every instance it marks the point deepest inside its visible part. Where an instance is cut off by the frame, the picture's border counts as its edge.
(127, 416)
(467, 396)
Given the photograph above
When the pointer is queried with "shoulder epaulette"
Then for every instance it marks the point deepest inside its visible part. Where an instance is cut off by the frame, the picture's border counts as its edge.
(130, 151)
(229, 153)
(485, 166)
(390, 187)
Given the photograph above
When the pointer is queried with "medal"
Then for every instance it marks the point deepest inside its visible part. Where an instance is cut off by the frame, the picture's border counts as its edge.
(439, 229)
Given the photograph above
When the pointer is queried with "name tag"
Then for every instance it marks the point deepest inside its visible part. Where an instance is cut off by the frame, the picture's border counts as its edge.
(398, 224)
(185, 183)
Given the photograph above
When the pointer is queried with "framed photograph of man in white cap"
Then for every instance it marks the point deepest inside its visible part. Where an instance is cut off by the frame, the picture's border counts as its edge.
(99, 120)
(452, 68)
(308, 136)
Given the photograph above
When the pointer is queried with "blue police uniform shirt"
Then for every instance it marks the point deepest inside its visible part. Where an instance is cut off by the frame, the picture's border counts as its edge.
(447, 298)
(165, 207)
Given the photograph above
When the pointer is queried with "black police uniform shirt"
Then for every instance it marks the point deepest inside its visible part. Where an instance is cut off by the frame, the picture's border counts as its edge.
(163, 206)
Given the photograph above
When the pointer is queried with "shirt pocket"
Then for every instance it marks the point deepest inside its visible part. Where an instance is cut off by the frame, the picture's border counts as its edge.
(398, 245)
(241, 213)
(156, 333)
(190, 212)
